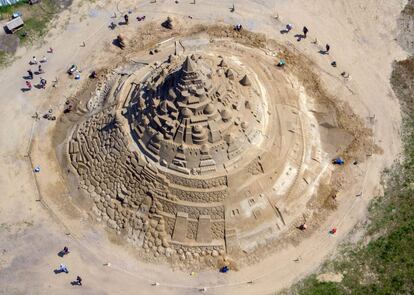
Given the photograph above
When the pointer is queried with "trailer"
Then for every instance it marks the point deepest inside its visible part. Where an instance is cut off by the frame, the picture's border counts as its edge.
(14, 25)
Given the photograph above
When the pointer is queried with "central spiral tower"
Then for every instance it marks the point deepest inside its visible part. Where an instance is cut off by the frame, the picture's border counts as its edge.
(194, 116)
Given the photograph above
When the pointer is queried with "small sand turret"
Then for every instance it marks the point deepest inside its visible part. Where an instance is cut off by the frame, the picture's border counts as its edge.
(245, 81)
(230, 74)
(223, 64)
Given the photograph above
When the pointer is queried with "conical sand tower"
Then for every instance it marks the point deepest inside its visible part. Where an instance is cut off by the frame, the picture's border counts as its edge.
(191, 106)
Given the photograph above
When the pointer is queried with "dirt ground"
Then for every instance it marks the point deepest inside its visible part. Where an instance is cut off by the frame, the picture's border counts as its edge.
(362, 38)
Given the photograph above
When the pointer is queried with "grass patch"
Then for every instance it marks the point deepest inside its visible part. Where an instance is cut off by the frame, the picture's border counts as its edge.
(33, 28)
(6, 11)
(37, 18)
(386, 264)
(313, 287)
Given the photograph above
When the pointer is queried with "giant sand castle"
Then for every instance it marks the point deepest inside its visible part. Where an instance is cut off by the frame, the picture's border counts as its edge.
(206, 153)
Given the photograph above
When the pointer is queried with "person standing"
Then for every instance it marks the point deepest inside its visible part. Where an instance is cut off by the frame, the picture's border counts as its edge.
(303, 227)
(289, 27)
(64, 252)
(327, 47)
(305, 32)
(30, 73)
(34, 60)
(79, 280)
(43, 83)
(93, 75)
(63, 268)
(29, 85)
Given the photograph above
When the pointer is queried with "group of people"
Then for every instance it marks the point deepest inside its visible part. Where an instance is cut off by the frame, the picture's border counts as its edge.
(112, 25)
(31, 73)
(305, 31)
(63, 268)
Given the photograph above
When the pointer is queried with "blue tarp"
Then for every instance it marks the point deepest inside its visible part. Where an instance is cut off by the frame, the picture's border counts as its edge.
(338, 161)
(8, 2)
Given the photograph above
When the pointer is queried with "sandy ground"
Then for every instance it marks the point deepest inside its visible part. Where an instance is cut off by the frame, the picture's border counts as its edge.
(362, 38)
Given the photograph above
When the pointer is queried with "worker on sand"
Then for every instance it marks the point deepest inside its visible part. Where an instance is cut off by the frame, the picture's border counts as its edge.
(79, 280)
(93, 75)
(303, 226)
(65, 250)
(30, 73)
(238, 27)
(63, 268)
(305, 32)
(338, 161)
(43, 83)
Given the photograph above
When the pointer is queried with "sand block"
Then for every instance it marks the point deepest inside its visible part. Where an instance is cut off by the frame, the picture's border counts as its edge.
(204, 229)
(180, 228)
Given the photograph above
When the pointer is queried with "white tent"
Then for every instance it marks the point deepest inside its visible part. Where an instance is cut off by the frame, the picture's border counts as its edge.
(8, 2)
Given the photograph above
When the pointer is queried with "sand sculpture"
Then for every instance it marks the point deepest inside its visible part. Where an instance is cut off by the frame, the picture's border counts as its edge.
(193, 121)
(199, 155)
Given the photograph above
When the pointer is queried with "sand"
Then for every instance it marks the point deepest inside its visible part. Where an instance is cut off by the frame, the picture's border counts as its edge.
(362, 39)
